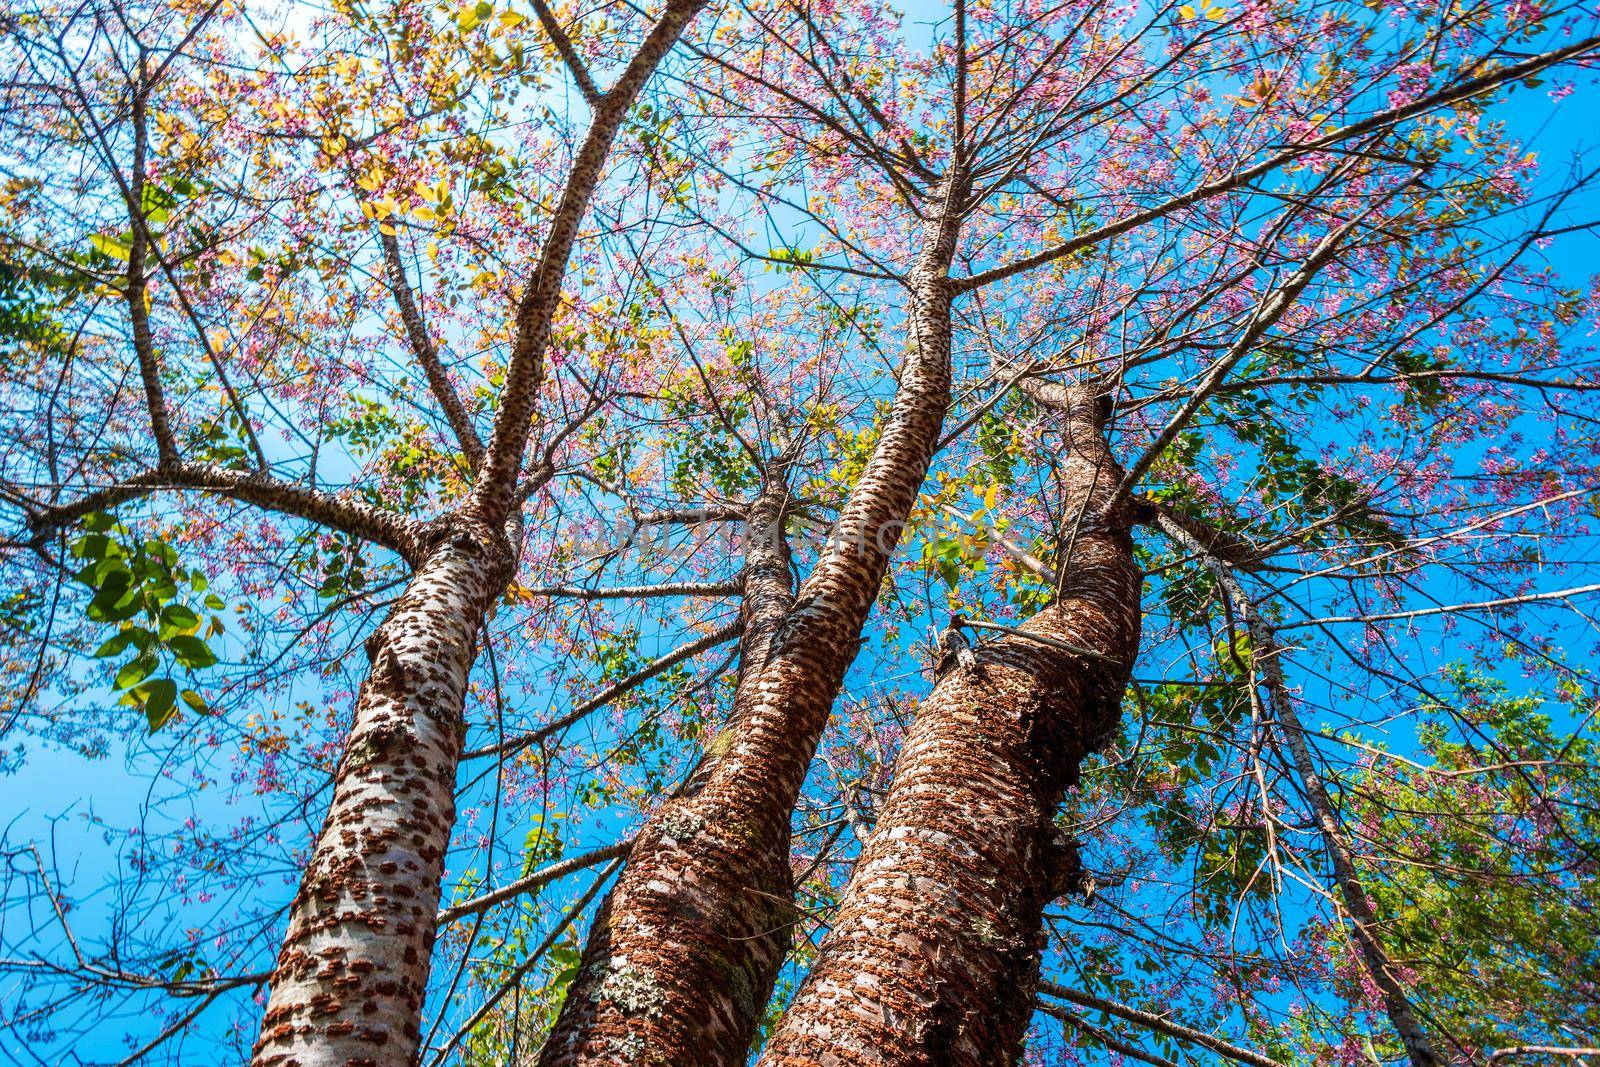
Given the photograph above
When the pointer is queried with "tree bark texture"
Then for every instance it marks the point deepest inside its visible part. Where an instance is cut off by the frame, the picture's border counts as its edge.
(686, 949)
(351, 977)
(349, 983)
(933, 955)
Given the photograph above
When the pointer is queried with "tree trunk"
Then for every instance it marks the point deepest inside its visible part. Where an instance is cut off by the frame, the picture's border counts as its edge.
(934, 952)
(685, 951)
(352, 973)
(1265, 658)
(349, 983)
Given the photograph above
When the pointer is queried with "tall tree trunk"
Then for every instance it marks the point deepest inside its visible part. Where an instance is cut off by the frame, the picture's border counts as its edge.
(1265, 657)
(934, 952)
(687, 947)
(348, 987)
(351, 977)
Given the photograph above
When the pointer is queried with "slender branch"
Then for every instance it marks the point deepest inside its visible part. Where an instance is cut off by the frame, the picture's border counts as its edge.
(427, 353)
(569, 54)
(611, 692)
(1540, 1050)
(689, 516)
(1264, 654)
(543, 876)
(533, 957)
(1447, 609)
(495, 493)
(172, 1029)
(1159, 1024)
(1105, 1037)
(137, 290)
(629, 592)
(1267, 313)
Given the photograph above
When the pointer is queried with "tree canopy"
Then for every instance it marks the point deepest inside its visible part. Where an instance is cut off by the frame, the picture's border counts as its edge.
(798, 531)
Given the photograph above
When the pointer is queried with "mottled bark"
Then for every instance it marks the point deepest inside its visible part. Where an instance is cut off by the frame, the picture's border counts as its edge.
(350, 979)
(934, 952)
(685, 951)
(1266, 659)
(349, 983)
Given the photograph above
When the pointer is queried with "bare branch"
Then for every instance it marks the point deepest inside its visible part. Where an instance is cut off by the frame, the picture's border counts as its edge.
(611, 692)
(1271, 308)
(1540, 1050)
(1158, 1023)
(543, 876)
(495, 493)
(1448, 609)
(631, 592)
(569, 54)
(1265, 658)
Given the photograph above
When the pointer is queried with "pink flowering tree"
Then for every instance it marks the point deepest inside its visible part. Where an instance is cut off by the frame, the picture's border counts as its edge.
(800, 531)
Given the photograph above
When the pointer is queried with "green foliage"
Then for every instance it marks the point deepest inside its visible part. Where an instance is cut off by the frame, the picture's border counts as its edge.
(137, 585)
(994, 438)
(543, 842)
(221, 440)
(1485, 867)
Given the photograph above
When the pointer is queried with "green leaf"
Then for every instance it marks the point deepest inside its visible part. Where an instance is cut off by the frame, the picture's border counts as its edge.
(195, 701)
(91, 546)
(192, 652)
(118, 599)
(117, 645)
(160, 697)
(135, 671)
(115, 247)
(179, 617)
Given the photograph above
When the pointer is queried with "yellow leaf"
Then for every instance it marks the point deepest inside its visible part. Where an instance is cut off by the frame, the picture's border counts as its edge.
(1186, 11)
(1217, 14)
(991, 496)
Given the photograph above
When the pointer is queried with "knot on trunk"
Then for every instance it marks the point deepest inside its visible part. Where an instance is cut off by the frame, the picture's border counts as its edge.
(1064, 871)
(469, 536)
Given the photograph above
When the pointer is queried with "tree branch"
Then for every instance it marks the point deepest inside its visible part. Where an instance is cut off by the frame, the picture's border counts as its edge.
(1158, 1024)
(611, 692)
(427, 353)
(495, 493)
(1453, 95)
(1267, 313)
(353, 517)
(542, 876)
(623, 592)
(1264, 654)
(569, 54)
